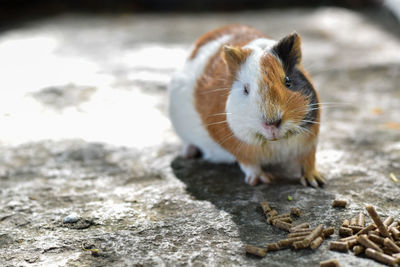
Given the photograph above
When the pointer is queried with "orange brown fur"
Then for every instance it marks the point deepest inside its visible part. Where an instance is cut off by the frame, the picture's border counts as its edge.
(234, 57)
(239, 30)
(290, 102)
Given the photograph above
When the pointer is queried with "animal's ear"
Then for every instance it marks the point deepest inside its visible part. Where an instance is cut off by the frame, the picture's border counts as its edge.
(289, 51)
(234, 56)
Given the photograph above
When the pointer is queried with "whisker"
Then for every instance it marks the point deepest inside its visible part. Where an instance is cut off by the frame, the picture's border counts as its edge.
(215, 90)
(311, 109)
(220, 114)
(303, 129)
(215, 123)
(331, 103)
(227, 138)
(238, 147)
(315, 122)
(226, 94)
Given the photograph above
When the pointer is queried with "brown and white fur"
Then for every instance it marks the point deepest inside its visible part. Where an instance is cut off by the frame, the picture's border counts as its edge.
(244, 97)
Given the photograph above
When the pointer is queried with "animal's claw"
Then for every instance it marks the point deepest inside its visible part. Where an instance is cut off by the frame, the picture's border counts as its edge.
(314, 179)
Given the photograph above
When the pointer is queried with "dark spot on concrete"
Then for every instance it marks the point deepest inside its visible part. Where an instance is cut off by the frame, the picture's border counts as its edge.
(62, 97)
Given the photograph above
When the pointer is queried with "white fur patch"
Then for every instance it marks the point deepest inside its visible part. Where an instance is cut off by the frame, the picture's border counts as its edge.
(261, 43)
(244, 114)
(185, 119)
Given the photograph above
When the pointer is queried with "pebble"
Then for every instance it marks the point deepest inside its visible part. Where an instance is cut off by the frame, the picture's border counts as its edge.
(72, 218)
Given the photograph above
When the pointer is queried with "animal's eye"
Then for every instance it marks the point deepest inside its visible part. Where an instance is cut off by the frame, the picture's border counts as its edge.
(246, 89)
(288, 82)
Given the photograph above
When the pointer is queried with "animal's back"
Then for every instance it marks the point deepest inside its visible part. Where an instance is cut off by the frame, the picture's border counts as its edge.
(204, 61)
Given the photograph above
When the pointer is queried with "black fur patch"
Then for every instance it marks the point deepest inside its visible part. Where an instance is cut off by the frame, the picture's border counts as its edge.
(290, 59)
(284, 50)
(302, 85)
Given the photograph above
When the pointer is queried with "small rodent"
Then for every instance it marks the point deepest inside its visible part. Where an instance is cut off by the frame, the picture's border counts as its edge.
(244, 97)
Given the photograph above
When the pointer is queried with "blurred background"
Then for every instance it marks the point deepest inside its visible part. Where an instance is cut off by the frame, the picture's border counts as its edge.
(20, 10)
(64, 61)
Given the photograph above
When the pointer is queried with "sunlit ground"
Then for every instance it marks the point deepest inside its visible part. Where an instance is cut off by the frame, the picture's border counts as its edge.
(106, 113)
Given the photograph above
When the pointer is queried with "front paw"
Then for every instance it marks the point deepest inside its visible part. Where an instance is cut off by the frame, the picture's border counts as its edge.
(313, 178)
(254, 174)
(251, 179)
(190, 152)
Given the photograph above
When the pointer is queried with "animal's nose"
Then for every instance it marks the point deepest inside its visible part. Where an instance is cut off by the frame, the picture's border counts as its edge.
(273, 123)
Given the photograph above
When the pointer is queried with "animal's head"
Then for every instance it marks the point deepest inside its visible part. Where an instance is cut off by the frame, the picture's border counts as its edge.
(271, 97)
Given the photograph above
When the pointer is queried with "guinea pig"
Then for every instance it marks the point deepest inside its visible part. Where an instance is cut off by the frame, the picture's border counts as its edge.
(242, 96)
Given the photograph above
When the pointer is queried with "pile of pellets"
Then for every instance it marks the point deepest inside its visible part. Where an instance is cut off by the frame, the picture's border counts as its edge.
(379, 240)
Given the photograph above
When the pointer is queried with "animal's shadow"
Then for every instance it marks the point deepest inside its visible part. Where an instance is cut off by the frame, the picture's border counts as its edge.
(223, 185)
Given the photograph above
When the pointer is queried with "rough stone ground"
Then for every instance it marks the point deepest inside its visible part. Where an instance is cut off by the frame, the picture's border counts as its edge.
(84, 130)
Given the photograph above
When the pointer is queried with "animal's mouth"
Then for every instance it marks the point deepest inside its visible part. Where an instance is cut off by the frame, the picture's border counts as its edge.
(263, 138)
(260, 138)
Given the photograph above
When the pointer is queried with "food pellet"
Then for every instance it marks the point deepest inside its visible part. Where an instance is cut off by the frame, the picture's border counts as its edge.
(287, 242)
(387, 250)
(366, 229)
(260, 252)
(286, 219)
(339, 246)
(314, 234)
(273, 247)
(295, 211)
(395, 233)
(358, 250)
(352, 243)
(394, 224)
(379, 256)
(328, 232)
(363, 240)
(361, 219)
(377, 220)
(389, 220)
(296, 234)
(265, 206)
(282, 225)
(375, 232)
(299, 245)
(299, 230)
(272, 213)
(300, 227)
(348, 238)
(316, 242)
(345, 223)
(344, 231)
(329, 263)
(355, 228)
(339, 203)
(353, 221)
(271, 219)
(390, 244)
(375, 238)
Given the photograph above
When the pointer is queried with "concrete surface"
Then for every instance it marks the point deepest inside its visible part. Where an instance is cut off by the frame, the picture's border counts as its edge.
(84, 133)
